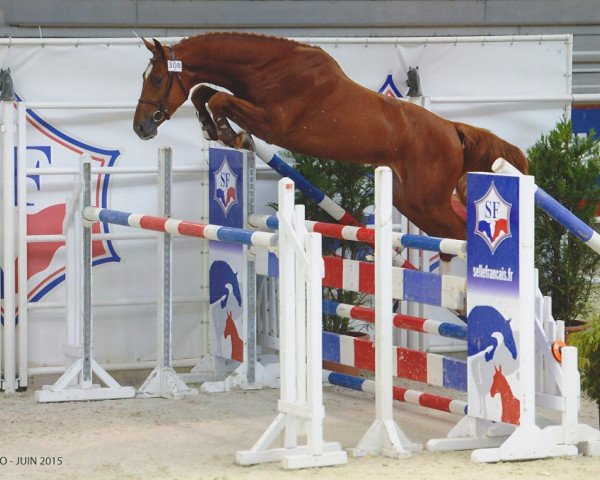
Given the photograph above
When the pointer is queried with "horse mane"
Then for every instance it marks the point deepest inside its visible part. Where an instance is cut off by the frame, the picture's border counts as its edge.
(245, 36)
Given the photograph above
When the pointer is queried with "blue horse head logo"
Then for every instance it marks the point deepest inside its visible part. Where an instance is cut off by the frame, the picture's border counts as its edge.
(485, 325)
(221, 277)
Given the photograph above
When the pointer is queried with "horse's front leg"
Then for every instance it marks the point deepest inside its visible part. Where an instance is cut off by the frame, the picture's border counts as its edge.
(225, 106)
(200, 98)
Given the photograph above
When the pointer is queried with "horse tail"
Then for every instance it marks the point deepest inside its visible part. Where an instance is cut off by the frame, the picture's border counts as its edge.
(480, 149)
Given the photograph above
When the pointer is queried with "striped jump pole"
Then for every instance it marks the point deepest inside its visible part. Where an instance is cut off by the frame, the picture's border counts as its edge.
(401, 394)
(406, 322)
(581, 230)
(367, 235)
(267, 153)
(182, 227)
(446, 291)
(430, 368)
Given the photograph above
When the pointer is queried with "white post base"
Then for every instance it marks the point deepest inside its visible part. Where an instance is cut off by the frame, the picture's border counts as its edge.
(292, 457)
(385, 438)
(209, 368)
(65, 391)
(164, 382)
(264, 377)
(517, 443)
(470, 433)
(585, 437)
(525, 443)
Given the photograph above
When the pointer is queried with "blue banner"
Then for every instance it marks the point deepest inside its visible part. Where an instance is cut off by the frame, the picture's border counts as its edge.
(493, 233)
(493, 296)
(227, 271)
(226, 187)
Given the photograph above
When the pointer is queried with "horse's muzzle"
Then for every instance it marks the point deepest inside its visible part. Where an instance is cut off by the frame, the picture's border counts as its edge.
(145, 130)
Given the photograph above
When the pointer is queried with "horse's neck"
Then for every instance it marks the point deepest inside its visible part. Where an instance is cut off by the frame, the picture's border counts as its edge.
(220, 59)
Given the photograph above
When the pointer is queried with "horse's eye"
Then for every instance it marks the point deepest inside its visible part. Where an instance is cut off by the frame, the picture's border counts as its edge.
(156, 81)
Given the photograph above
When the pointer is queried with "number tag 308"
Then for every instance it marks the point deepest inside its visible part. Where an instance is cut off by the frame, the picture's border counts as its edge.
(174, 66)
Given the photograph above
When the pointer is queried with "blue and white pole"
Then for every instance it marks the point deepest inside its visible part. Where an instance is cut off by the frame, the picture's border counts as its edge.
(269, 155)
(581, 230)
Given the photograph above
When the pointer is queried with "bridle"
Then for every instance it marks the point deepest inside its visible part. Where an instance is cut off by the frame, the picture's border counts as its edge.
(161, 113)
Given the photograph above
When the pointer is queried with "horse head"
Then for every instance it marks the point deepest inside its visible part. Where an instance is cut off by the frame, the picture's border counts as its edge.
(497, 380)
(235, 285)
(163, 90)
(414, 82)
(229, 325)
(7, 91)
(509, 340)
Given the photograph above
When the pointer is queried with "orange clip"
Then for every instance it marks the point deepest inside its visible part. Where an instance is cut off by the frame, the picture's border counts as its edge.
(557, 346)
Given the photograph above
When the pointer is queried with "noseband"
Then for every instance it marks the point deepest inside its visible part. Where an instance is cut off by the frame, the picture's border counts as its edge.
(161, 113)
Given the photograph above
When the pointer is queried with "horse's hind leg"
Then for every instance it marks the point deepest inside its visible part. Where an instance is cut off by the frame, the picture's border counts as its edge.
(200, 97)
(429, 209)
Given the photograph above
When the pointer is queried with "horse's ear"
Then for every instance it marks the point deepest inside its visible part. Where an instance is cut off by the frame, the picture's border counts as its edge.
(159, 48)
(149, 45)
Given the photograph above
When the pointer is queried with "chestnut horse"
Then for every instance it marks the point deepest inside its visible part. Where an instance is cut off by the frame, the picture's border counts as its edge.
(297, 97)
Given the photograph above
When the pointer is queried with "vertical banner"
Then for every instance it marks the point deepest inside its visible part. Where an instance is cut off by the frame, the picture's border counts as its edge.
(495, 299)
(227, 271)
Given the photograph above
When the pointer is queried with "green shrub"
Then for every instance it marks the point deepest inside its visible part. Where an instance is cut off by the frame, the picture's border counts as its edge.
(567, 167)
(588, 344)
(352, 187)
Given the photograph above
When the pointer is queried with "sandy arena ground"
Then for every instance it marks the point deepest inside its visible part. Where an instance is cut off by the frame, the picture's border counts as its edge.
(197, 437)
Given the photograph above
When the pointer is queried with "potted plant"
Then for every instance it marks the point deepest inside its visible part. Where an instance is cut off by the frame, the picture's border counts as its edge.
(588, 345)
(568, 168)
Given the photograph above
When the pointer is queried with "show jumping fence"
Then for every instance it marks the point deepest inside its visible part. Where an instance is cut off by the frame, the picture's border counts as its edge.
(386, 438)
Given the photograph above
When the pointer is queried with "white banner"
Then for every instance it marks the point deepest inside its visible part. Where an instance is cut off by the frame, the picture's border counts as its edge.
(111, 73)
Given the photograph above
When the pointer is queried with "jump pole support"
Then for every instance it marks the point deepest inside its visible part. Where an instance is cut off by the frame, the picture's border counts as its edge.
(76, 383)
(300, 407)
(22, 247)
(8, 349)
(164, 380)
(384, 437)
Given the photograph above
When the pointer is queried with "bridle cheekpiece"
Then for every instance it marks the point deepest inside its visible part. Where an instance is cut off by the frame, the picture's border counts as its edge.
(175, 68)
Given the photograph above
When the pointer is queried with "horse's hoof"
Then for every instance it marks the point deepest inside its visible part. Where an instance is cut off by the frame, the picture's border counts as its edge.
(244, 141)
(209, 132)
(227, 136)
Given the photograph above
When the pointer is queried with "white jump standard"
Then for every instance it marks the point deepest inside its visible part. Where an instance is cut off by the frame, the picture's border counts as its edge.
(300, 406)
(76, 383)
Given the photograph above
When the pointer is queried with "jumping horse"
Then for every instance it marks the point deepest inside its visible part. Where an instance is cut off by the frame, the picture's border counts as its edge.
(297, 97)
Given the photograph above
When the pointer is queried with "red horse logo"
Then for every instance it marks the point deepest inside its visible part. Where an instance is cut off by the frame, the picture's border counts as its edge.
(511, 406)
(500, 227)
(237, 344)
(231, 195)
